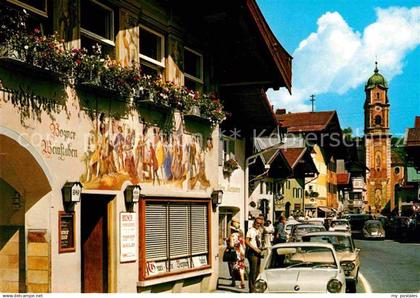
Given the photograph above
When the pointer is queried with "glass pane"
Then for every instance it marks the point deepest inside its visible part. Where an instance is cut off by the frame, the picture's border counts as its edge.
(192, 64)
(147, 70)
(38, 4)
(150, 45)
(193, 85)
(99, 22)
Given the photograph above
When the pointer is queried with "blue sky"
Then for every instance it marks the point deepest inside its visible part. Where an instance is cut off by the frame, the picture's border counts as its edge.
(335, 43)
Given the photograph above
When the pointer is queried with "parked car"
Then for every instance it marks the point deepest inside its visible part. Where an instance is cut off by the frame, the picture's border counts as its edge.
(398, 228)
(341, 225)
(288, 227)
(299, 230)
(357, 222)
(315, 221)
(305, 267)
(373, 229)
(346, 251)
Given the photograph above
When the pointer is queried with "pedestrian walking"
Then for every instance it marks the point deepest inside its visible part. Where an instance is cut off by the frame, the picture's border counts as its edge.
(280, 232)
(236, 240)
(254, 251)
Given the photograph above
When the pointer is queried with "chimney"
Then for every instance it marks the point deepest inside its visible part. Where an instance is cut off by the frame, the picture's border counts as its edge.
(280, 111)
(417, 122)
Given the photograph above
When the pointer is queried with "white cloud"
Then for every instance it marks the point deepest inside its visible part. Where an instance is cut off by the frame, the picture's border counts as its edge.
(336, 58)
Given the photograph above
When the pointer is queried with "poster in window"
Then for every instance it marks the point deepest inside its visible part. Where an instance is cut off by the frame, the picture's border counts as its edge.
(128, 237)
(199, 261)
(66, 230)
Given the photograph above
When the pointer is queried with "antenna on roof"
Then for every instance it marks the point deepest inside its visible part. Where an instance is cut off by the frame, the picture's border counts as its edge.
(313, 101)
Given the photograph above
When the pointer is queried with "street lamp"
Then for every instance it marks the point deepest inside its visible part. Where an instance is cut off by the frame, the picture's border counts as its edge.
(71, 191)
(131, 196)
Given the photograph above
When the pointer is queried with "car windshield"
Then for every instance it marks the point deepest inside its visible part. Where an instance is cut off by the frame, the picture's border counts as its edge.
(340, 243)
(310, 229)
(301, 257)
(373, 225)
(339, 222)
(288, 228)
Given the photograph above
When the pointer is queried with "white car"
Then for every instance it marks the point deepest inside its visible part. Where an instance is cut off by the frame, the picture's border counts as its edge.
(339, 225)
(288, 227)
(299, 230)
(346, 251)
(305, 267)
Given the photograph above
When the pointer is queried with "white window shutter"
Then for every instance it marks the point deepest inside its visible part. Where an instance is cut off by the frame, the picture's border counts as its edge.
(156, 231)
(199, 229)
(179, 230)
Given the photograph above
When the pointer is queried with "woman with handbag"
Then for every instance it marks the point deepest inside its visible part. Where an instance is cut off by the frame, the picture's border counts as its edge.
(236, 241)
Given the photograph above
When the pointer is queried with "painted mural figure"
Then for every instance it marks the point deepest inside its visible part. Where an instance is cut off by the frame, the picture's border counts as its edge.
(167, 163)
(118, 149)
(139, 160)
(192, 157)
(154, 164)
(129, 164)
(116, 154)
(160, 155)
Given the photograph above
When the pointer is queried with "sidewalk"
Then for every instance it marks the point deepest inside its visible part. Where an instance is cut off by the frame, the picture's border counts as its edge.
(224, 281)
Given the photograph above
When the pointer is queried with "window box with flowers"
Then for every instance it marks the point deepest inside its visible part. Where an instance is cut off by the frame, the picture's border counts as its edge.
(229, 166)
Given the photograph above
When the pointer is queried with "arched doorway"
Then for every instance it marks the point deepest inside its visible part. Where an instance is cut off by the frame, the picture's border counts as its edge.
(23, 182)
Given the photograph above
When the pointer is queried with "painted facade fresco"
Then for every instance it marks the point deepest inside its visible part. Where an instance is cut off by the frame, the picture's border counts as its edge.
(120, 151)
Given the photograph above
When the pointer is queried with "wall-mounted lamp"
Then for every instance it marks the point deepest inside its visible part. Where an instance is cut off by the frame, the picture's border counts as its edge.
(16, 199)
(217, 197)
(72, 192)
(132, 195)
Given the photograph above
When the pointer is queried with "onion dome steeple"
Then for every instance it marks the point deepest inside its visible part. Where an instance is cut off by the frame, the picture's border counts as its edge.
(376, 80)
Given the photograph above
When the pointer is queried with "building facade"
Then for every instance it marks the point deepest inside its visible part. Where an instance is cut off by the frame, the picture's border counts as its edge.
(108, 193)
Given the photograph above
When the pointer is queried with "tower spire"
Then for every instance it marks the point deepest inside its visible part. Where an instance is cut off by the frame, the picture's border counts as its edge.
(376, 67)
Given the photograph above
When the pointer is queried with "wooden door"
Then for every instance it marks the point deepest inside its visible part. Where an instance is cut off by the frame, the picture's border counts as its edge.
(94, 245)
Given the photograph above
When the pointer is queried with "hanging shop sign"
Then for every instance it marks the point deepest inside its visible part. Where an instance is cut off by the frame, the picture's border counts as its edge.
(128, 237)
(66, 232)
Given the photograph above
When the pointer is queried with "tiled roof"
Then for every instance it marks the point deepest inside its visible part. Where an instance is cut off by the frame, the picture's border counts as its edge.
(343, 178)
(396, 158)
(305, 122)
(282, 59)
(293, 155)
(413, 137)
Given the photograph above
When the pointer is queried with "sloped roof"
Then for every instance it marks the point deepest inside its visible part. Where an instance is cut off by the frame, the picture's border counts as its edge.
(293, 155)
(306, 122)
(396, 158)
(282, 59)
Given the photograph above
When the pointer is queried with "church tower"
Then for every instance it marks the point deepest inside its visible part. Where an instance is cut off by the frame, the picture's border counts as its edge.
(378, 143)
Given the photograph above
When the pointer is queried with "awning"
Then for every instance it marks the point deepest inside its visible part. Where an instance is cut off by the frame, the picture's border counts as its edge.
(325, 209)
(270, 163)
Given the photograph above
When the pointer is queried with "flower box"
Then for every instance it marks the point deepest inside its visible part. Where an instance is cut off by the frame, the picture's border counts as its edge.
(30, 69)
(153, 112)
(95, 88)
(229, 166)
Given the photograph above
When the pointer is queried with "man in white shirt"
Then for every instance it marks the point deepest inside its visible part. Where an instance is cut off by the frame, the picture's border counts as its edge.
(254, 246)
